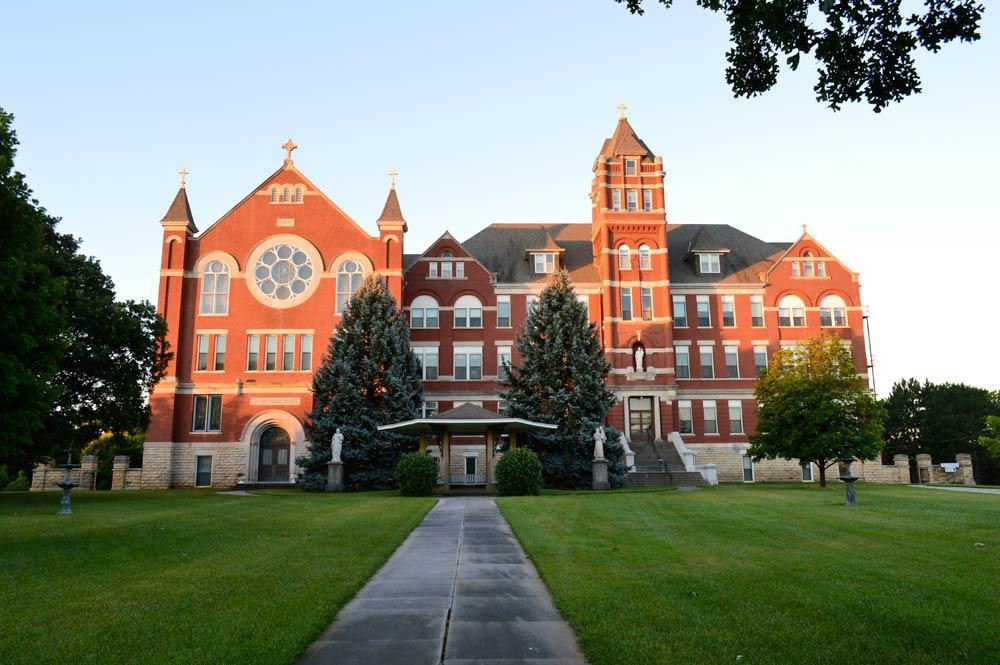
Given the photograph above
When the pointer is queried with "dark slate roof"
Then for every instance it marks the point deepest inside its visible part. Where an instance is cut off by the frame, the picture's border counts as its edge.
(625, 142)
(502, 249)
(467, 411)
(180, 209)
(704, 240)
(409, 260)
(746, 259)
(391, 212)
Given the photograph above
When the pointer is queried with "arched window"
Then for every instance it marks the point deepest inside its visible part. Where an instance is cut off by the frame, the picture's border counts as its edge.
(446, 254)
(298, 195)
(645, 258)
(215, 288)
(274, 195)
(284, 195)
(832, 312)
(468, 312)
(624, 257)
(791, 312)
(349, 275)
(424, 312)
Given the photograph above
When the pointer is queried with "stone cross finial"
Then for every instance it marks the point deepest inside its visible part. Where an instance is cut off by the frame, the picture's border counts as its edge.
(621, 110)
(804, 229)
(288, 147)
(183, 173)
(392, 178)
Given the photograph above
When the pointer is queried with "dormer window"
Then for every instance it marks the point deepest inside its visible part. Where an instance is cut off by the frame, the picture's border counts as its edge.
(545, 262)
(629, 167)
(709, 264)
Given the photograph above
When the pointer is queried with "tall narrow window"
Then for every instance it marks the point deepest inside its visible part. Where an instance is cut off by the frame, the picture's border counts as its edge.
(432, 269)
(207, 415)
(285, 195)
(203, 471)
(735, 416)
(647, 199)
(707, 356)
(645, 258)
(646, 302)
(349, 276)
(747, 469)
(821, 268)
(631, 200)
(298, 195)
(616, 199)
(629, 167)
(757, 311)
(270, 352)
(795, 268)
(274, 195)
(729, 311)
(626, 301)
(503, 361)
(460, 269)
(428, 359)
(791, 312)
(807, 472)
(219, 362)
(704, 312)
(710, 416)
(624, 257)
(201, 362)
(685, 417)
(759, 359)
(680, 312)
(446, 269)
(503, 311)
(807, 268)
(287, 352)
(253, 353)
(682, 357)
(732, 361)
(305, 352)
(215, 288)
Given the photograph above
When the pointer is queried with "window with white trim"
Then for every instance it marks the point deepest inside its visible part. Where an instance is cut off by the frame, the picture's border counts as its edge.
(201, 361)
(832, 312)
(645, 258)
(349, 277)
(468, 363)
(616, 199)
(207, 415)
(287, 353)
(446, 270)
(646, 303)
(759, 359)
(270, 352)
(732, 354)
(253, 353)
(427, 356)
(503, 311)
(682, 360)
(503, 358)
(735, 416)
(710, 416)
(305, 352)
(704, 312)
(631, 200)
(219, 354)
(680, 312)
(459, 269)
(791, 312)
(429, 409)
(647, 200)
(624, 257)
(821, 268)
(747, 469)
(707, 356)
(709, 264)
(757, 311)
(215, 288)
(629, 167)
(729, 311)
(545, 262)
(468, 312)
(685, 417)
(424, 312)
(432, 269)
(625, 294)
(795, 268)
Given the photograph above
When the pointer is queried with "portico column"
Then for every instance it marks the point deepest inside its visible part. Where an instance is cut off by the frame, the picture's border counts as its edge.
(423, 443)
(513, 440)
(446, 458)
(489, 458)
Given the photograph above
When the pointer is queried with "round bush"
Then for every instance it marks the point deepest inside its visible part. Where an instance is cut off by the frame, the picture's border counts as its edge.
(19, 484)
(416, 474)
(519, 473)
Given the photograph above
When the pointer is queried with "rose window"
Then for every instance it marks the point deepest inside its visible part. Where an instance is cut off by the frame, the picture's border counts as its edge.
(283, 272)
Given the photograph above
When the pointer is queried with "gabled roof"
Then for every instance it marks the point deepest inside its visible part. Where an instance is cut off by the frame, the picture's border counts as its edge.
(391, 212)
(746, 260)
(502, 249)
(625, 142)
(466, 411)
(705, 241)
(180, 210)
(549, 246)
(466, 419)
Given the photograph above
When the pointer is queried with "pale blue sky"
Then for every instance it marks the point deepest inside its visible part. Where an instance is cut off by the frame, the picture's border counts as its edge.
(494, 112)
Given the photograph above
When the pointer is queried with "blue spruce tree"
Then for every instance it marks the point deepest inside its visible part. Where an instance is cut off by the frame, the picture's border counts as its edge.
(368, 377)
(561, 380)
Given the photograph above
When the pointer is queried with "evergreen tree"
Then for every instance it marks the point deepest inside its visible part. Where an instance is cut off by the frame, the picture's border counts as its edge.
(368, 377)
(561, 380)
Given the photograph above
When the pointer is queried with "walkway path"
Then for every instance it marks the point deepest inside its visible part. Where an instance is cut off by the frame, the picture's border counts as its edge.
(458, 591)
(977, 490)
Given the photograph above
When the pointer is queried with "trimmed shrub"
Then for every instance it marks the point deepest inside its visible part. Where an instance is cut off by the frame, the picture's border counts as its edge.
(519, 473)
(19, 484)
(416, 474)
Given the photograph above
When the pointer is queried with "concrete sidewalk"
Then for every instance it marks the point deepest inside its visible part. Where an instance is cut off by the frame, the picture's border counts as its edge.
(974, 490)
(458, 591)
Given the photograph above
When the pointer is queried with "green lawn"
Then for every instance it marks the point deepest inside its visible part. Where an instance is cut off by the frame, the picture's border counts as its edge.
(186, 576)
(771, 574)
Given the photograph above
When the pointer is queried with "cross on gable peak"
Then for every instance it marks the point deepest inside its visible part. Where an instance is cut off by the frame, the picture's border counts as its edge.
(621, 110)
(288, 146)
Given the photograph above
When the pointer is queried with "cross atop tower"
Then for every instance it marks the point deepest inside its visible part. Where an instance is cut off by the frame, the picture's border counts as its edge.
(621, 110)
(392, 178)
(288, 147)
(183, 173)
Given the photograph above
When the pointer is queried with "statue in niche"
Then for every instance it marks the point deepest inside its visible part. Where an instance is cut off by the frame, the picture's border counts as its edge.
(640, 355)
(336, 445)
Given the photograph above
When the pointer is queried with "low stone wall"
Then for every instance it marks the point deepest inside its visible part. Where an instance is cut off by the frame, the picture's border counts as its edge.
(45, 477)
(123, 477)
(166, 465)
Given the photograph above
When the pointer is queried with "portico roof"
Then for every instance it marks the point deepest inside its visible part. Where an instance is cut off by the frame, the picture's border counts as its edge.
(466, 419)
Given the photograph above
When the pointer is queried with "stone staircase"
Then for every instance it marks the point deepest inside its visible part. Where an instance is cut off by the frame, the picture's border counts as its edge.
(659, 464)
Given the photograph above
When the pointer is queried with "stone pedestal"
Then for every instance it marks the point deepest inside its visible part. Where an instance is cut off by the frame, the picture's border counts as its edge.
(601, 475)
(335, 477)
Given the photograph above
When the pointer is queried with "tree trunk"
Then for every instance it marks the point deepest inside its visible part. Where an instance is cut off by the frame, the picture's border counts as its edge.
(822, 472)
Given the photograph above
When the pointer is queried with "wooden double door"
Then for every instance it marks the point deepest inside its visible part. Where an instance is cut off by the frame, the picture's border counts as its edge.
(275, 454)
(640, 419)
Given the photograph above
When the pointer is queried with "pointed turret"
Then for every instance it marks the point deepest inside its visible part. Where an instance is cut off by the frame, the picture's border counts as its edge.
(180, 212)
(391, 212)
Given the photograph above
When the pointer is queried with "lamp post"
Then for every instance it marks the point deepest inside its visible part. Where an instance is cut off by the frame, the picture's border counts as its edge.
(847, 478)
(67, 484)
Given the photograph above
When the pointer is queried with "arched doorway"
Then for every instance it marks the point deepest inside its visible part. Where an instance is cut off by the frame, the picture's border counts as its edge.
(275, 452)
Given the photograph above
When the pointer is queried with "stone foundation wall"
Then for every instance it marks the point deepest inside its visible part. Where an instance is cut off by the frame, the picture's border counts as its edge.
(45, 477)
(166, 465)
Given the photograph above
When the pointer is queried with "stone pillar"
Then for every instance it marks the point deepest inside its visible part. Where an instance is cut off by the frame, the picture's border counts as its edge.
(119, 468)
(924, 468)
(513, 440)
(600, 467)
(88, 473)
(423, 443)
(335, 477)
(38, 477)
(489, 457)
(446, 458)
(902, 464)
(965, 475)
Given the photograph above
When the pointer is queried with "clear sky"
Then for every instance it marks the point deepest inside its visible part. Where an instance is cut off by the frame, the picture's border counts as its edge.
(494, 112)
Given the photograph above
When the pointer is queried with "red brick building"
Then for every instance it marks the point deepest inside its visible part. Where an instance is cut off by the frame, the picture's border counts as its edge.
(686, 313)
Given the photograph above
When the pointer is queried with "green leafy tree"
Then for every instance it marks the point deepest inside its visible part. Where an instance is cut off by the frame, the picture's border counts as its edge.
(811, 403)
(863, 49)
(955, 419)
(108, 446)
(368, 377)
(561, 380)
(991, 440)
(904, 419)
(31, 318)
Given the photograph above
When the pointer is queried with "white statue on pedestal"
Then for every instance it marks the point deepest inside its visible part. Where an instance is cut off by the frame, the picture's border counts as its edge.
(336, 444)
(599, 440)
(640, 353)
(629, 453)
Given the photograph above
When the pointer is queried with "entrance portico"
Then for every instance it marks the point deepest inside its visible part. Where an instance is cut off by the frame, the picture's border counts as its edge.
(466, 420)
